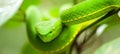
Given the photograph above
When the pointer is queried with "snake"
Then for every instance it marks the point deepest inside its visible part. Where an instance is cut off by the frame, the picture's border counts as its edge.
(56, 35)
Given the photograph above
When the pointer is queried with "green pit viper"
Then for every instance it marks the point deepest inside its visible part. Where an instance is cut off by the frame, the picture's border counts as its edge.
(55, 35)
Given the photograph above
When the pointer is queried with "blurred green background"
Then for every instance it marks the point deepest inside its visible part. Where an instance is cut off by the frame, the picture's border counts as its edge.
(13, 34)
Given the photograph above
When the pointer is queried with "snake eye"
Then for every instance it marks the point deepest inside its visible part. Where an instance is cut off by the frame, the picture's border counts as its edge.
(50, 31)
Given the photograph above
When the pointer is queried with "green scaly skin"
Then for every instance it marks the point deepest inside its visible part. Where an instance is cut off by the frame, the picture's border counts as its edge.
(88, 10)
(85, 13)
(48, 28)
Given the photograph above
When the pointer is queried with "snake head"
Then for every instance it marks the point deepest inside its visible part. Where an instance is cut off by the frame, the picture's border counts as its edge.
(49, 29)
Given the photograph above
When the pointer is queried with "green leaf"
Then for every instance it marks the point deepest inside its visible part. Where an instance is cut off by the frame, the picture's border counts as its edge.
(15, 21)
(8, 9)
(112, 47)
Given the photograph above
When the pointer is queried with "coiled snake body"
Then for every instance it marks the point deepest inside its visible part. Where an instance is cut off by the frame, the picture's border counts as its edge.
(50, 36)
